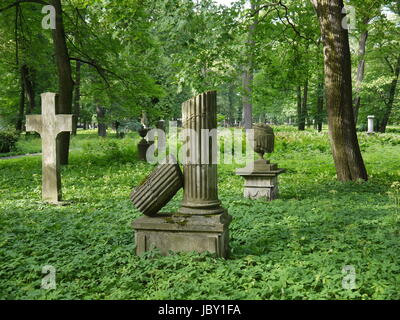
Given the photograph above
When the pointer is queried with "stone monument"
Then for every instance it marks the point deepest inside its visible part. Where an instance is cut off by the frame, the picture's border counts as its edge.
(143, 120)
(261, 176)
(371, 124)
(49, 125)
(143, 144)
(201, 224)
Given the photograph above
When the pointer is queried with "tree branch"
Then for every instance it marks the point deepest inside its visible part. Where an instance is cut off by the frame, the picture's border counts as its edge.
(99, 69)
(290, 23)
(23, 1)
(389, 64)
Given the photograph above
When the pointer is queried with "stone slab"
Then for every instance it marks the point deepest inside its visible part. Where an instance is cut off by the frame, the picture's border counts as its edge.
(180, 233)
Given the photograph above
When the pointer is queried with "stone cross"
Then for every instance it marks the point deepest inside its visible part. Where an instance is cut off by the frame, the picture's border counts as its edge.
(49, 125)
(371, 124)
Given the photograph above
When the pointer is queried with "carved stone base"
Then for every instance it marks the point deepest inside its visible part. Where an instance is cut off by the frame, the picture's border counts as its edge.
(261, 180)
(258, 187)
(179, 233)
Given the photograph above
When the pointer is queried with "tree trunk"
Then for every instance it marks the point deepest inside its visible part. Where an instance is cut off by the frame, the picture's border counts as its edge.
(231, 105)
(27, 77)
(304, 110)
(247, 104)
(21, 109)
(77, 98)
(338, 87)
(301, 124)
(360, 70)
(392, 95)
(102, 127)
(248, 73)
(65, 82)
(320, 106)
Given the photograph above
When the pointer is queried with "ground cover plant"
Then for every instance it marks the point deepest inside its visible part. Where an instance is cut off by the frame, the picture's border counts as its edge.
(292, 248)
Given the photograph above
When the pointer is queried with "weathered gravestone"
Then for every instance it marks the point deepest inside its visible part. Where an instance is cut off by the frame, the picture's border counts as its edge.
(49, 125)
(201, 224)
(261, 176)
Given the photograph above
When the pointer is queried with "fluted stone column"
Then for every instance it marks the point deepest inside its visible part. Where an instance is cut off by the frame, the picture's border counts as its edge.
(199, 118)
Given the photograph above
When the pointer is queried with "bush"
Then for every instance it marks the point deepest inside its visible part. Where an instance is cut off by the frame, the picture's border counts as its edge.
(8, 139)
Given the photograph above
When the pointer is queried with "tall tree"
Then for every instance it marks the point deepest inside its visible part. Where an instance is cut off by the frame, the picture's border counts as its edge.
(392, 94)
(65, 82)
(361, 67)
(248, 70)
(338, 87)
(77, 97)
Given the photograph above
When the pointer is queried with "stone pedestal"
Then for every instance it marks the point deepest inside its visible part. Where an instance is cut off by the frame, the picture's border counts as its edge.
(143, 144)
(261, 180)
(183, 234)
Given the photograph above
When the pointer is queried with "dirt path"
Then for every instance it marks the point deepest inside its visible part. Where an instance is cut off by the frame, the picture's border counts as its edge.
(21, 156)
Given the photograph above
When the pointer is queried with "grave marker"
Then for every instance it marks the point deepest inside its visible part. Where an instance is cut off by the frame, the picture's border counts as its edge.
(49, 125)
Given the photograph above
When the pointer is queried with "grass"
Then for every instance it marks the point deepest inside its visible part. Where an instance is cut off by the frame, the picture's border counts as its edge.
(292, 248)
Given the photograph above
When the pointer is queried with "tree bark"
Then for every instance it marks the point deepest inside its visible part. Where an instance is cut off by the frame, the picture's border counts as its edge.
(304, 110)
(320, 106)
(360, 71)
(392, 94)
(102, 127)
(27, 77)
(77, 98)
(301, 124)
(231, 94)
(248, 73)
(65, 82)
(21, 109)
(338, 87)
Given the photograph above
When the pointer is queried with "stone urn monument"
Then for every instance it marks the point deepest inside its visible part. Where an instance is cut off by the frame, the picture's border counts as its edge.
(261, 176)
(143, 145)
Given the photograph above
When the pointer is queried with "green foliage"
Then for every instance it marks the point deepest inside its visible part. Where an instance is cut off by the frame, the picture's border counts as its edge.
(291, 248)
(8, 139)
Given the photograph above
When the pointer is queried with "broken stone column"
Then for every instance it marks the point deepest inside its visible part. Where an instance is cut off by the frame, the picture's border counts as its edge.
(200, 173)
(261, 176)
(201, 224)
(158, 188)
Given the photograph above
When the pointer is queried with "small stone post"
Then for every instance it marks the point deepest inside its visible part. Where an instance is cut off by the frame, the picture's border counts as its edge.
(371, 124)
